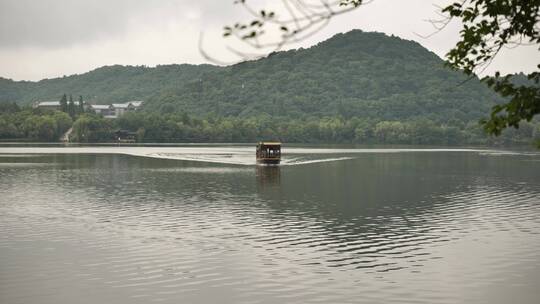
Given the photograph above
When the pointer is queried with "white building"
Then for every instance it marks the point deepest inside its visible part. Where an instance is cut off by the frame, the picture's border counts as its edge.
(136, 103)
(117, 109)
(49, 105)
(121, 108)
(106, 110)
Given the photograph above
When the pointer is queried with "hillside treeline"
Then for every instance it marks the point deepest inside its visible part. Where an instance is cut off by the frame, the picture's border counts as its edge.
(36, 125)
(32, 124)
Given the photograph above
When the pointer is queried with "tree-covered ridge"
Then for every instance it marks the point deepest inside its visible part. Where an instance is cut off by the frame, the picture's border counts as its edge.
(354, 74)
(368, 84)
(107, 84)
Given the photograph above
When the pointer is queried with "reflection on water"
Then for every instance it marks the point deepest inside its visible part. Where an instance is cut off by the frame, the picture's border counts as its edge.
(433, 227)
(268, 176)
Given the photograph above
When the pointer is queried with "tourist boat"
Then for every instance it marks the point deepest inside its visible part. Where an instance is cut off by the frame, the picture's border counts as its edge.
(268, 153)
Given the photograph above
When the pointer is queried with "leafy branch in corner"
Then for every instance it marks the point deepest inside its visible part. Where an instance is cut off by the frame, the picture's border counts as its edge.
(488, 26)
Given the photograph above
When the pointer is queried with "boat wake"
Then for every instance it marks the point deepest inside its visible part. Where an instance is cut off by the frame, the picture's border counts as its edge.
(299, 161)
(236, 159)
(237, 155)
(222, 158)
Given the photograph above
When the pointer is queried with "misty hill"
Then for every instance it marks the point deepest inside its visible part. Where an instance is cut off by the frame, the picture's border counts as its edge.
(357, 74)
(104, 85)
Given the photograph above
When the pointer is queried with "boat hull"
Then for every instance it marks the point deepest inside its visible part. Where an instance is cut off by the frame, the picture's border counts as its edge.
(269, 161)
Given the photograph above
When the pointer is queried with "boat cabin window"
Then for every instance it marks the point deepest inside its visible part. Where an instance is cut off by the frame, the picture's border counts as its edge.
(268, 151)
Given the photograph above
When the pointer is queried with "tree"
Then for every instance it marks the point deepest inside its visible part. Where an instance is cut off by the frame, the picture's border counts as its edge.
(46, 128)
(63, 122)
(81, 105)
(488, 26)
(71, 107)
(64, 104)
(7, 130)
(92, 128)
(9, 107)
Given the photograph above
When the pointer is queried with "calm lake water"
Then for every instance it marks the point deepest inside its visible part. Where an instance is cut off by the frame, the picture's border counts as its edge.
(201, 224)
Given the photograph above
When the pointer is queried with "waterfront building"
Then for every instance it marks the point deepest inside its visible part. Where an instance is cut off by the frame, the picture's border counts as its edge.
(46, 105)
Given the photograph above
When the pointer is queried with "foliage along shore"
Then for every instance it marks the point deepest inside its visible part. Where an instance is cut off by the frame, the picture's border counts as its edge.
(29, 124)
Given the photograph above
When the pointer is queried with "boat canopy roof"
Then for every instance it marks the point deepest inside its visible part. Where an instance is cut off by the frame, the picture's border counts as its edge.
(269, 143)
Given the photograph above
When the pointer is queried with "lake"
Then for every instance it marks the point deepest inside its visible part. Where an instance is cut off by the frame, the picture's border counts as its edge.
(204, 224)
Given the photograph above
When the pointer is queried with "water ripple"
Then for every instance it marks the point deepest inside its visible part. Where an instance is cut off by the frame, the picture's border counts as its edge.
(151, 231)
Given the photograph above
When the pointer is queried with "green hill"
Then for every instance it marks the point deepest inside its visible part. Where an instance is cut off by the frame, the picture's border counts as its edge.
(353, 74)
(104, 85)
(355, 87)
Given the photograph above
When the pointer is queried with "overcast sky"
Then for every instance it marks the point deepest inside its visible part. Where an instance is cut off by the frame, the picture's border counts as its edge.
(50, 38)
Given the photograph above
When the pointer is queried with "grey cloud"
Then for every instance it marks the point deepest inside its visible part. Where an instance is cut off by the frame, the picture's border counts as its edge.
(57, 23)
(48, 38)
(61, 23)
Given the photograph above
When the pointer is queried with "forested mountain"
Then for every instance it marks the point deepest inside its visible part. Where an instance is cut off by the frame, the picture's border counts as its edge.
(106, 84)
(354, 74)
(356, 87)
